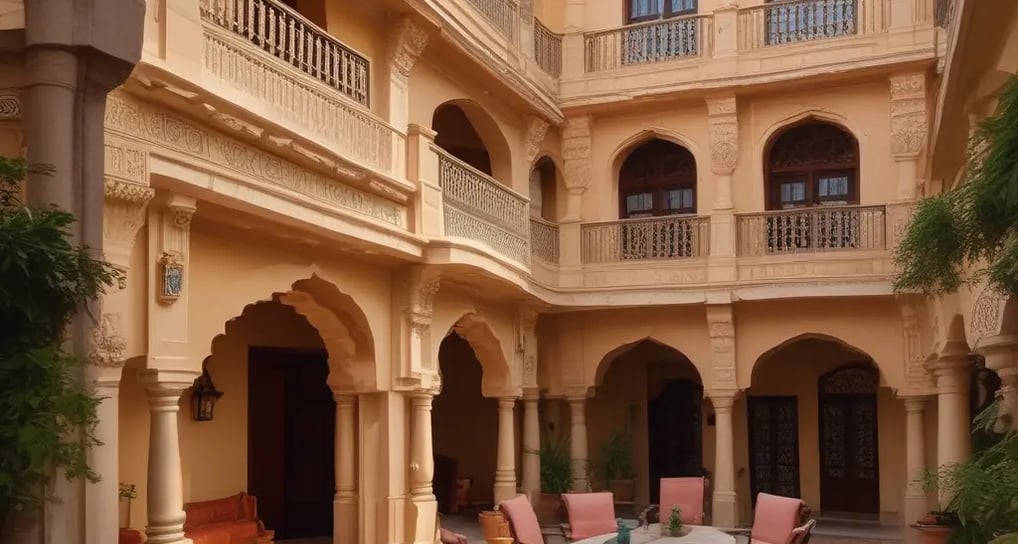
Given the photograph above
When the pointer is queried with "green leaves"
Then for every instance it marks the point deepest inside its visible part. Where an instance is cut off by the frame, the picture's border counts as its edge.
(974, 225)
(556, 464)
(47, 413)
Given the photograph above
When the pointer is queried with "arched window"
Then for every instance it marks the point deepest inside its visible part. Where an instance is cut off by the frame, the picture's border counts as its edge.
(647, 10)
(813, 164)
(657, 178)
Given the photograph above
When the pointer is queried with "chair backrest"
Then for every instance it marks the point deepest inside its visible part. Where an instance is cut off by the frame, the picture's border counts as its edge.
(590, 514)
(522, 519)
(687, 494)
(775, 519)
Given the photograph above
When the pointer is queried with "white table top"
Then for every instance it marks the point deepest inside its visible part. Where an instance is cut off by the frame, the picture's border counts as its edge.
(699, 534)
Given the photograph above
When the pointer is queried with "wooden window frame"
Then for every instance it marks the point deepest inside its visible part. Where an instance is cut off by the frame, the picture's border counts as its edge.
(775, 175)
(666, 13)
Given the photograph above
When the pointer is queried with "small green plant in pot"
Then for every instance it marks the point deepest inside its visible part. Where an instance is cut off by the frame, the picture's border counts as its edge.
(556, 478)
(615, 465)
(674, 526)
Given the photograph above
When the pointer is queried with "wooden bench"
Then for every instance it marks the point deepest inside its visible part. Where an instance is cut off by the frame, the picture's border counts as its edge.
(230, 520)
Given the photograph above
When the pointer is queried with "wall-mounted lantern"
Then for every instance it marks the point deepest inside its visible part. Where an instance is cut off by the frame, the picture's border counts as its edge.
(204, 395)
(172, 277)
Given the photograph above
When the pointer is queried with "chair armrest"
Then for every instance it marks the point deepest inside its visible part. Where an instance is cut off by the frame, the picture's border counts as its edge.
(567, 531)
(644, 517)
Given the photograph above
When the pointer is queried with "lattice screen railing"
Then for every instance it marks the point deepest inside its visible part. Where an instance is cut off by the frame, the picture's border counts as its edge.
(811, 230)
(673, 237)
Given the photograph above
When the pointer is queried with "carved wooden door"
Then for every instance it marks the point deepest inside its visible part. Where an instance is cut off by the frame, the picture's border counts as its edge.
(774, 446)
(849, 476)
(675, 434)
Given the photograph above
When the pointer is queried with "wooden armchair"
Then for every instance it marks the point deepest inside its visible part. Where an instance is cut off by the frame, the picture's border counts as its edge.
(777, 520)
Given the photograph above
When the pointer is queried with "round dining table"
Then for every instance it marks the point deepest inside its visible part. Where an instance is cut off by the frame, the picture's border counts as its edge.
(698, 534)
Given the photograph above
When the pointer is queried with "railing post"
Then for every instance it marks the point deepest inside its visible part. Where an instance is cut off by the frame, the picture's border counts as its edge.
(180, 41)
(422, 168)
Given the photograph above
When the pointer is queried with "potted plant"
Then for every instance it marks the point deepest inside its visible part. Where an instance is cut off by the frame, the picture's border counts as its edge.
(556, 478)
(128, 492)
(674, 527)
(615, 465)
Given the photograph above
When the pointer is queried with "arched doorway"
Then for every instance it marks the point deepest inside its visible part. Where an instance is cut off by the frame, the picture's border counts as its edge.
(657, 178)
(458, 136)
(812, 164)
(543, 202)
(849, 470)
(655, 393)
(815, 410)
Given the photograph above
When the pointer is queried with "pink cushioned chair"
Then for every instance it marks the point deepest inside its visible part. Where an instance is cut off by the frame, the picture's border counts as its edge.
(522, 519)
(687, 494)
(775, 520)
(590, 514)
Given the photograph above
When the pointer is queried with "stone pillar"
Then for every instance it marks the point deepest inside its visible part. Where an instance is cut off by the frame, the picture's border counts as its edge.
(422, 469)
(578, 442)
(725, 506)
(407, 42)
(915, 502)
(1001, 353)
(951, 371)
(505, 460)
(576, 142)
(909, 126)
(344, 505)
(724, 145)
(531, 444)
(165, 485)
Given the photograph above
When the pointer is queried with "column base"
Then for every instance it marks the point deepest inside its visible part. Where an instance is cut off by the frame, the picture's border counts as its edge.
(725, 509)
(913, 507)
(423, 522)
(166, 539)
(344, 520)
(504, 491)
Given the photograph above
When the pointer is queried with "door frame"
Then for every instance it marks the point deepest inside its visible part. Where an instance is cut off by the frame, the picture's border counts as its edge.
(750, 400)
(822, 396)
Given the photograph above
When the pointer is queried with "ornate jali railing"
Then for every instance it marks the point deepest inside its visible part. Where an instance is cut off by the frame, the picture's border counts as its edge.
(794, 21)
(479, 208)
(287, 35)
(547, 49)
(645, 43)
(645, 239)
(501, 13)
(544, 240)
(943, 10)
(812, 230)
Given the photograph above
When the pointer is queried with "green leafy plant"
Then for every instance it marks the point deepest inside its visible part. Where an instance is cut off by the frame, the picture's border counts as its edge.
(128, 491)
(983, 490)
(615, 461)
(556, 464)
(970, 232)
(47, 415)
(675, 521)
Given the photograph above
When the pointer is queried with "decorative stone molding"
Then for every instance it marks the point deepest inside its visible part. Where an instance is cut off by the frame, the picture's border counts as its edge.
(422, 300)
(123, 216)
(987, 313)
(909, 118)
(724, 133)
(126, 160)
(913, 323)
(721, 329)
(108, 344)
(138, 122)
(527, 345)
(576, 144)
(537, 128)
(176, 234)
(10, 107)
(408, 42)
(527, 11)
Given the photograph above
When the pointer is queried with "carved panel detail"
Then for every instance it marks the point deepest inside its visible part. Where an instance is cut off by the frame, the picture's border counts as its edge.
(108, 344)
(721, 328)
(724, 133)
(576, 152)
(10, 107)
(537, 128)
(986, 313)
(408, 42)
(909, 123)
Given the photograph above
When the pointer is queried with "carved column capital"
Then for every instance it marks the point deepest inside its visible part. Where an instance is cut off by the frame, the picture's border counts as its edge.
(537, 128)
(408, 42)
(724, 133)
(909, 119)
(913, 326)
(108, 344)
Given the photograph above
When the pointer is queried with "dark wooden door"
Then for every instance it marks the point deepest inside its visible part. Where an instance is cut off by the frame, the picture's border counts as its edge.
(849, 475)
(291, 434)
(675, 434)
(774, 446)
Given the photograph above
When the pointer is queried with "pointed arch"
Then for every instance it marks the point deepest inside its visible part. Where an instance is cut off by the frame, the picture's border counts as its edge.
(861, 356)
(461, 125)
(655, 173)
(608, 358)
(496, 374)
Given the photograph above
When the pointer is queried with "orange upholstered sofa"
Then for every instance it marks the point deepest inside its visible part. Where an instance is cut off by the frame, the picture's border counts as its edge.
(230, 520)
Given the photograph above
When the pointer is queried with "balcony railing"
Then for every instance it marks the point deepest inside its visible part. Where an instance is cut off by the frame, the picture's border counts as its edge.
(547, 49)
(501, 13)
(645, 43)
(288, 36)
(544, 240)
(796, 21)
(657, 238)
(479, 208)
(811, 230)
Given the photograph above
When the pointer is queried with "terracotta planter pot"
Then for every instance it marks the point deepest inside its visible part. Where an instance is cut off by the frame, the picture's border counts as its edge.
(933, 534)
(550, 509)
(624, 490)
(685, 530)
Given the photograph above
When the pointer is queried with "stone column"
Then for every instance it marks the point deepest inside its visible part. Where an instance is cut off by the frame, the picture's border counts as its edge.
(915, 502)
(723, 126)
(1001, 353)
(951, 371)
(505, 460)
(344, 505)
(725, 506)
(422, 469)
(531, 444)
(165, 485)
(909, 122)
(578, 442)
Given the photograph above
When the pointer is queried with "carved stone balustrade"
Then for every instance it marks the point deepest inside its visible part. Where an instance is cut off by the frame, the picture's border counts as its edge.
(547, 49)
(656, 238)
(811, 230)
(544, 240)
(646, 43)
(795, 21)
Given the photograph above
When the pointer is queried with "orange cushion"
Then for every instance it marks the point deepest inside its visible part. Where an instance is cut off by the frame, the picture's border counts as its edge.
(523, 520)
(214, 511)
(590, 514)
(235, 532)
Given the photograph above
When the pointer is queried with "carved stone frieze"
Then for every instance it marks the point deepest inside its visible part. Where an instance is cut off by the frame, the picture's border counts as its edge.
(408, 42)
(721, 329)
(913, 326)
(909, 118)
(10, 107)
(108, 344)
(422, 302)
(123, 215)
(724, 134)
(126, 160)
(537, 128)
(576, 151)
(986, 313)
(135, 121)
